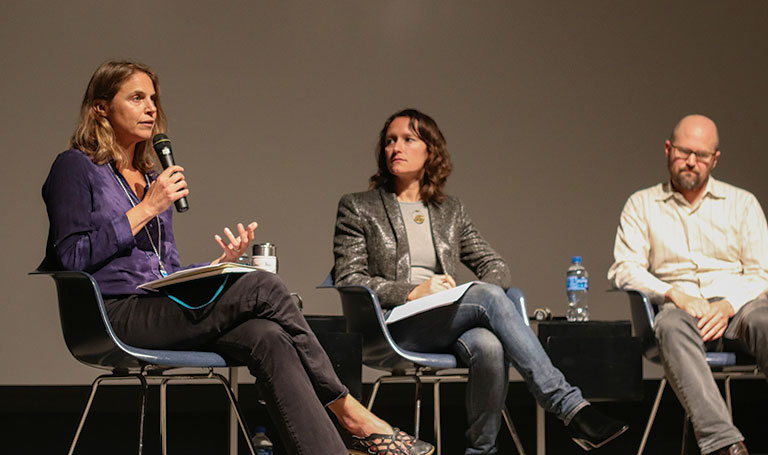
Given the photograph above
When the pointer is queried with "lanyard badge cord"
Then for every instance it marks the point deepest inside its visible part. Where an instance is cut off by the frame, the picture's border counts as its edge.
(157, 249)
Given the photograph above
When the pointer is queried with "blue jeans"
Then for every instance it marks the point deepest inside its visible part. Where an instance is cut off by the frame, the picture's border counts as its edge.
(485, 330)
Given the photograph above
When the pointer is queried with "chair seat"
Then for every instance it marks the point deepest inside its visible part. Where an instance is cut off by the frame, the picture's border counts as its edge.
(721, 359)
(435, 361)
(166, 358)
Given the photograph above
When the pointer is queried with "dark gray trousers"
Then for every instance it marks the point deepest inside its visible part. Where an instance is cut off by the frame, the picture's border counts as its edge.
(684, 359)
(256, 322)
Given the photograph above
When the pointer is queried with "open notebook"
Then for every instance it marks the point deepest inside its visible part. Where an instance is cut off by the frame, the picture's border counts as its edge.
(197, 272)
(429, 302)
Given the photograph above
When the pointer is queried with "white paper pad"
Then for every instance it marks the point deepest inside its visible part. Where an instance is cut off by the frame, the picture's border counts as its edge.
(429, 302)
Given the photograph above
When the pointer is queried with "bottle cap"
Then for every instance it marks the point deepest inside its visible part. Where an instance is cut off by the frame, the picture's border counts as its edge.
(260, 430)
(265, 249)
(576, 259)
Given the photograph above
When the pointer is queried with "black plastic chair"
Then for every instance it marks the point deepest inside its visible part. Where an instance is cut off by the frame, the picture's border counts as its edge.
(363, 315)
(89, 337)
(724, 365)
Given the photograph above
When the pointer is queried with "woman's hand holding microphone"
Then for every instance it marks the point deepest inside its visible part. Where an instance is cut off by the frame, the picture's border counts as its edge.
(169, 186)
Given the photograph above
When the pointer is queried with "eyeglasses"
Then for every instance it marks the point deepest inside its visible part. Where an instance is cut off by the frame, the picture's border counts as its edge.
(684, 153)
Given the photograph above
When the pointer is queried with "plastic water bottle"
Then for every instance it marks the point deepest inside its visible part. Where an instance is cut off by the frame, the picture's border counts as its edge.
(261, 442)
(577, 285)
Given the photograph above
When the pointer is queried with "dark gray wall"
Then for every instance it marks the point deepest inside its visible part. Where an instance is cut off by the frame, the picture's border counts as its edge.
(554, 113)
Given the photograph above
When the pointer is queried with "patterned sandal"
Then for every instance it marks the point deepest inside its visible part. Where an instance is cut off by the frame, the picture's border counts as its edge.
(397, 443)
(403, 436)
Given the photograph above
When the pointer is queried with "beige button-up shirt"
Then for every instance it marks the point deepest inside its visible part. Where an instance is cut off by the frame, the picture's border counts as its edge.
(716, 247)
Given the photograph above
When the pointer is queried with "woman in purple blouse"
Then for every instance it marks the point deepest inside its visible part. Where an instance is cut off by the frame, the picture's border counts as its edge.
(110, 215)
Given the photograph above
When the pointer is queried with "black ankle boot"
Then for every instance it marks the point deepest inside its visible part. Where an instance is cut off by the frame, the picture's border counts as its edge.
(590, 429)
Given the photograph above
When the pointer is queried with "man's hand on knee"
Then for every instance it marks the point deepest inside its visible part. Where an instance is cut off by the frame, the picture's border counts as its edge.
(695, 306)
(713, 324)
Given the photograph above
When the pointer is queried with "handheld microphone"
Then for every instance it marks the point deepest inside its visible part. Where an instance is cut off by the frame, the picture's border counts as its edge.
(162, 146)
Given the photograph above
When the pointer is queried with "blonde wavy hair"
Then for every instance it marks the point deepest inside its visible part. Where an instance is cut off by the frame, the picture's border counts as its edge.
(94, 134)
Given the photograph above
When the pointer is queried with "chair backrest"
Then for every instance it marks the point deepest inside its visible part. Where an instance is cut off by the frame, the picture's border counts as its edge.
(363, 315)
(90, 338)
(643, 313)
(84, 322)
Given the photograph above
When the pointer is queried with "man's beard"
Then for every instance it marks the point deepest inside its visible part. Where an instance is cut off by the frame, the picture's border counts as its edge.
(687, 181)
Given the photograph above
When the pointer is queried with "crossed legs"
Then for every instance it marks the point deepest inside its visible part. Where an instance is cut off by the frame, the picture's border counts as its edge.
(256, 322)
(486, 331)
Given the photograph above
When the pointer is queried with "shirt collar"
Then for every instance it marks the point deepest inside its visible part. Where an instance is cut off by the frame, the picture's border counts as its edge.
(714, 189)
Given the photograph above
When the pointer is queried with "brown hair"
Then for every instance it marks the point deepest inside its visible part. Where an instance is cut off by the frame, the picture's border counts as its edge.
(94, 134)
(438, 166)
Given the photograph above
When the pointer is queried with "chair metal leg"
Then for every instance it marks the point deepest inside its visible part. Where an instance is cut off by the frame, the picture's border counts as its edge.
(541, 431)
(236, 407)
(232, 400)
(437, 381)
(651, 418)
(374, 392)
(686, 428)
(143, 411)
(728, 401)
(94, 386)
(234, 384)
(512, 430)
(438, 438)
(164, 417)
(417, 409)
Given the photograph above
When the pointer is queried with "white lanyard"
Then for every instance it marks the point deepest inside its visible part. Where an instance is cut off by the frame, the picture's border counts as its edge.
(156, 250)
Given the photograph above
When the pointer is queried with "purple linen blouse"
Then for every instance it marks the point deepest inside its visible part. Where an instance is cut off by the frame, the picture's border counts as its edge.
(89, 230)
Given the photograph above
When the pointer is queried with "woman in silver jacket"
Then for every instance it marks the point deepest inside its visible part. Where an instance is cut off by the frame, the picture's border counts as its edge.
(404, 238)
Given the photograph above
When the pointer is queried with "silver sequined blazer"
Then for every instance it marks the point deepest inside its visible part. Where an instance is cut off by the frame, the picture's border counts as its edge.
(370, 246)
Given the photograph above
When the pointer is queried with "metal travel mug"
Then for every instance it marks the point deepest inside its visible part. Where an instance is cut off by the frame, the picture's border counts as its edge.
(265, 257)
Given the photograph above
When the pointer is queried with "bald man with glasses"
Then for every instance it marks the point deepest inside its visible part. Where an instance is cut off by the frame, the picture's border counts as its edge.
(698, 247)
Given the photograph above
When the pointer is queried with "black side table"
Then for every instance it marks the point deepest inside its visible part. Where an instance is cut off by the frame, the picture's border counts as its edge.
(344, 349)
(600, 357)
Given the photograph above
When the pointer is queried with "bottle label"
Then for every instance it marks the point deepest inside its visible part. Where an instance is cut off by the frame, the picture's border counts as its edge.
(575, 283)
(268, 263)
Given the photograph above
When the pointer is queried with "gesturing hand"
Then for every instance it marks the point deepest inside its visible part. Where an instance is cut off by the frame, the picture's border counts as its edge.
(236, 246)
(713, 324)
(433, 285)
